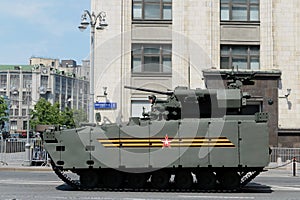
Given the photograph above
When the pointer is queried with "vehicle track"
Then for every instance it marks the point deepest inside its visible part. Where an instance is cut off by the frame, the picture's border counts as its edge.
(148, 188)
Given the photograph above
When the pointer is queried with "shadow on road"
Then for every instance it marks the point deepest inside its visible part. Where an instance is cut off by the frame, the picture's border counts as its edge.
(65, 187)
(249, 188)
(256, 188)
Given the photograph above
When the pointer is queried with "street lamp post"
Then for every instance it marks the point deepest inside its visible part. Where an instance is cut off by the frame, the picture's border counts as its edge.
(27, 161)
(91, 19)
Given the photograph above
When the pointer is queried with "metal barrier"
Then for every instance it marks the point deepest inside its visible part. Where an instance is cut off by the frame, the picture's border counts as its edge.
(2, 150)
(12, 151)
(39, 154)
(284, 154)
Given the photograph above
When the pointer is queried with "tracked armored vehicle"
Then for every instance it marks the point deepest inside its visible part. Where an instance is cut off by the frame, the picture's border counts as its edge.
(200, 139)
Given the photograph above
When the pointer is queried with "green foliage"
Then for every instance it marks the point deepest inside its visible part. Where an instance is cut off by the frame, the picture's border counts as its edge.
(46, 114)
(67, 118)
(3, 110)
(79, 116)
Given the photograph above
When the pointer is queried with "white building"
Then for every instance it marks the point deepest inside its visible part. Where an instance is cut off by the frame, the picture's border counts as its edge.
(160, 44)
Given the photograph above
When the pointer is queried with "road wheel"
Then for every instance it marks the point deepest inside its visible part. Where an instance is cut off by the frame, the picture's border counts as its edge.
(206, 180)
(229, 180)
(112, 178)
(136, 180)
(160, 179)
(89, 179)
(183, 179)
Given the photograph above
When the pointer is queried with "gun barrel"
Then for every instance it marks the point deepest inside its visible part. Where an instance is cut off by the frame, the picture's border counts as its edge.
(149, 90)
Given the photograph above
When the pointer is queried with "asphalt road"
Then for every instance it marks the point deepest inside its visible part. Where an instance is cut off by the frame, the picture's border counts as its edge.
(44, 185)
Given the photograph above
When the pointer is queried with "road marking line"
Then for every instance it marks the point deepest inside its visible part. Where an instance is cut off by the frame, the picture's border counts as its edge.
(284, 188)
(30, 182)
(215, 197)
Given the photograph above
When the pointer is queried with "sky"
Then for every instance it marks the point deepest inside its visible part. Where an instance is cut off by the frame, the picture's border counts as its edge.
(42, 28)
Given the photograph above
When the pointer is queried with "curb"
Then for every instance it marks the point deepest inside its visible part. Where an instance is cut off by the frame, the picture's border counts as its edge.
(21, 168)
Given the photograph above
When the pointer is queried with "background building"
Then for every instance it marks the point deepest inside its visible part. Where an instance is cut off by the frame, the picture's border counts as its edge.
(24, 85)
(49, 62)
(160, 44)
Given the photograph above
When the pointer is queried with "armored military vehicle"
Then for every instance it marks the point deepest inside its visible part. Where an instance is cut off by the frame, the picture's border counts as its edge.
(200, 139)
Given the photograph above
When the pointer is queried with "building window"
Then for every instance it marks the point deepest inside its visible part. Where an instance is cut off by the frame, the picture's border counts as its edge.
(63, 85)
(17, 112)
(150, 58)
(3, 94)
(69, 87)
(57, 84)
(26, 98)
(152, 10)
(25, 126)
(137, 107)
(24, 113)
(3, 81)
(14, 81)
(14, 98)
(239, 10)
(241, 57)
(44, 81)
(27, 81)
(13, 125)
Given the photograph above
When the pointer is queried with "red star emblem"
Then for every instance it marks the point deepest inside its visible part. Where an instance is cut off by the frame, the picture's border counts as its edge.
(166, 142)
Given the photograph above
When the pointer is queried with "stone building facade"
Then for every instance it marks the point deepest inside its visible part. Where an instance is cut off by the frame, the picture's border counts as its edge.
(160, 44)
(24, 85)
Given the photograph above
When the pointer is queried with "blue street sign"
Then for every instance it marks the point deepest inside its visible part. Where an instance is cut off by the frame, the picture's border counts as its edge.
(105, 105)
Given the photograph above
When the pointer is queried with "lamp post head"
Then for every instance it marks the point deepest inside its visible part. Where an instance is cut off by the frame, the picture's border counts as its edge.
(82, 28)
(102, 24)
(84, 22)
(93, 20)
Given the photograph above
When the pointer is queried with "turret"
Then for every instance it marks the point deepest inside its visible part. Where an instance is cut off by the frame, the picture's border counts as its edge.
(169, 109)
(200, 103)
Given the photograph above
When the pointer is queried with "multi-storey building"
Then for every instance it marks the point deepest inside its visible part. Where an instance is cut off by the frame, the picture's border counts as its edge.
(68, 66)
(50, 62)
(160, 44)
(24, 85)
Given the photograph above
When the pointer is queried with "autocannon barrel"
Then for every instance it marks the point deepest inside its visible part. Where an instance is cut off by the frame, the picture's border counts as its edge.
(149, 90)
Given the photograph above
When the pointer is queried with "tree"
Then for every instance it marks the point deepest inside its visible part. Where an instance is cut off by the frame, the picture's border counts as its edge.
(67, 118)
(3, 112)
(45, 113)
(79, 116)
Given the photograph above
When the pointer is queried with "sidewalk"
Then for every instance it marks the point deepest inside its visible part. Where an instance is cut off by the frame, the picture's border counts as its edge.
(278, 173)
(21, 167)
